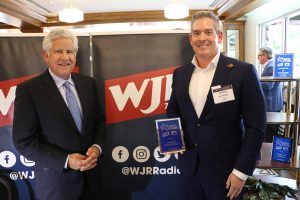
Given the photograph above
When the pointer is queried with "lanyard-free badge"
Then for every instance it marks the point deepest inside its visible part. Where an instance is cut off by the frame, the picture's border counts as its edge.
(222, 94)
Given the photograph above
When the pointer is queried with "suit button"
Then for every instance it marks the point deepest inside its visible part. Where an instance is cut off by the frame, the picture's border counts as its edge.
(198, 125)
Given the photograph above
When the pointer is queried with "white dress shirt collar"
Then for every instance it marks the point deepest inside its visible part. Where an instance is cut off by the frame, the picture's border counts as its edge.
(59, 81)
(213, 63)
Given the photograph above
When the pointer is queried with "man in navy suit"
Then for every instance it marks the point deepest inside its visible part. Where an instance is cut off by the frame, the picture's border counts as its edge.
(272, 90)
(65, 147)
(221, 106)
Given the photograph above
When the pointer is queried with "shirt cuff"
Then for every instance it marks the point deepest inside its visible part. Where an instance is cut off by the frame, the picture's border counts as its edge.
(240, 174)
(94, 145)
(66, 163)
(100, 150)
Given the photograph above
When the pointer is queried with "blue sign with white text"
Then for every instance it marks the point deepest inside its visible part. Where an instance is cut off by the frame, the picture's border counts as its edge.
(282, 149)
(284, 65)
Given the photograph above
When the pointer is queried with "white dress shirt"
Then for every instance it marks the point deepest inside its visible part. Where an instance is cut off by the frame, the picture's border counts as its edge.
(200, 83)
(199, 87)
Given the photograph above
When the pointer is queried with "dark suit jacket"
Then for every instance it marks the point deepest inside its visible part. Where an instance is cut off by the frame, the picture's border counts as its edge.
(218, 142)
(44, 131)
(272, 90)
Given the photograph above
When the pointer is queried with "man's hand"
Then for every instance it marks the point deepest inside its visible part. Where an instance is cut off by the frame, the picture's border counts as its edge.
(75, 161)
(91, 160)
(235, 186)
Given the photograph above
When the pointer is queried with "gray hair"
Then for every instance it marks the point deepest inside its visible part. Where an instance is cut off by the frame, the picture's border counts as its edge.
(210, 15)
(59, 33)
(267, 51)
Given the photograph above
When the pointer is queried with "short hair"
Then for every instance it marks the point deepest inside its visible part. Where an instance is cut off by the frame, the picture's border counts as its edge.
(210, 15)
(59, 33)
(267, 51)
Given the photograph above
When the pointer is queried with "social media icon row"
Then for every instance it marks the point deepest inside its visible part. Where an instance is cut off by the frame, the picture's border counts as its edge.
(8, 159)
(140, 154)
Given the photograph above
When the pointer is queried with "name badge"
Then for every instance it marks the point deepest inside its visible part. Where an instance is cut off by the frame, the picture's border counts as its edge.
(222, 94)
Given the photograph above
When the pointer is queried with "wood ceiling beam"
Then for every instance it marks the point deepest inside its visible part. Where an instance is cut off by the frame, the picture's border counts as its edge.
(29, 28)
(10, 20)
(234, 9)
(6, 26)
(25, 11)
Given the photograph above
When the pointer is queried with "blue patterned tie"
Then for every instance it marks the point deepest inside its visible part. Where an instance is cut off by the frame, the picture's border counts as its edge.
(73, 105)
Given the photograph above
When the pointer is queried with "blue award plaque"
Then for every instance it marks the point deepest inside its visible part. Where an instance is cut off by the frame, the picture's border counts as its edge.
(282, 149)
(170, 135)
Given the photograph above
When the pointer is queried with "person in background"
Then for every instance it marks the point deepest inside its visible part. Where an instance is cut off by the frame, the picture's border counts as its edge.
(272, 90)
(221, 106)
(58, 124)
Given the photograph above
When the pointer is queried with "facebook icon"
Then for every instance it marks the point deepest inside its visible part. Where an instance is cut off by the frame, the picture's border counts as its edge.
(120, 153)
(7, 159)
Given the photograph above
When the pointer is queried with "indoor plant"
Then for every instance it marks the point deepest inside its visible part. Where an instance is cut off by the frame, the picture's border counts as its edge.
(256, 189)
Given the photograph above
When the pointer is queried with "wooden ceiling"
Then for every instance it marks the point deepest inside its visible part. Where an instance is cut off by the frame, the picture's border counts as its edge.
(30, 18)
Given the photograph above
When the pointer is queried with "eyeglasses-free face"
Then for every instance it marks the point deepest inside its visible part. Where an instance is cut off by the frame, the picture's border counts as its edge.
(61, 58)
(204, 39)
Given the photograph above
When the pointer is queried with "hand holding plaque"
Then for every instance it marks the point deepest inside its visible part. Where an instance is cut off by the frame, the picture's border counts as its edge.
(170, 135)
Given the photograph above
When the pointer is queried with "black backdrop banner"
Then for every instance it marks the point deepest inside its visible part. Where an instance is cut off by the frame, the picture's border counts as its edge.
(134, 73)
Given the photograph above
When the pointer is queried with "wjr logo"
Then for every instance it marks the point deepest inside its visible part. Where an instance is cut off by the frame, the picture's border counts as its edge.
(7, 97)
(22, 175)
(138, 96)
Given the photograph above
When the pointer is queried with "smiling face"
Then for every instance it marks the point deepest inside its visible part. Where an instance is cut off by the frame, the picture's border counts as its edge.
(204, 39)
(61, 58)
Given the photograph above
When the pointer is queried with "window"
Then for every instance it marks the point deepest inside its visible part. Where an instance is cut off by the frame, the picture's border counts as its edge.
(293, 39)
(272, 36)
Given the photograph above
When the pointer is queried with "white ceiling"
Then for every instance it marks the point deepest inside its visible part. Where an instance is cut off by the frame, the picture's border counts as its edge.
(98, 6)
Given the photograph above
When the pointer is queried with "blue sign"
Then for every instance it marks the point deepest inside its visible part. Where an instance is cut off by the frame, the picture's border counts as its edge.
(282, 149)
(284, 65)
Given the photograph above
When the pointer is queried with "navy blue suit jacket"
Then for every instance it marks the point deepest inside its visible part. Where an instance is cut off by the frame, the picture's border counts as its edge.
(272, 90)
(44, 131)
(226, 135)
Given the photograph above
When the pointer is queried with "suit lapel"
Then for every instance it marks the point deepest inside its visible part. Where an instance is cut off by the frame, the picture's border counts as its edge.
(55, 96)
(220, 78)
(266, 70)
